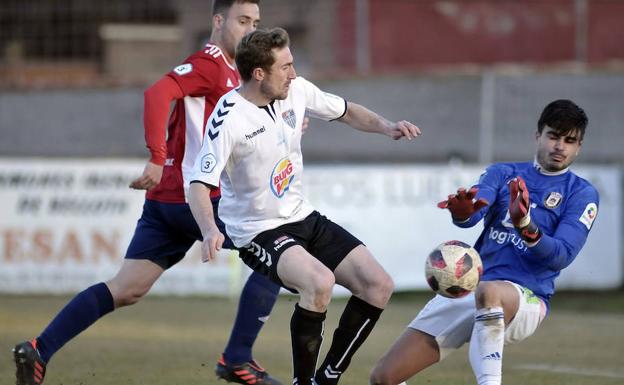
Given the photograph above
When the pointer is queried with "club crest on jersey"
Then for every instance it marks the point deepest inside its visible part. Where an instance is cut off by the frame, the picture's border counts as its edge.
(290, 118)
(553, 200)
(282, 177)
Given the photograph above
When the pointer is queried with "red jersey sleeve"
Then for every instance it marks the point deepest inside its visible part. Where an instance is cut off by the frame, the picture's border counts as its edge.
(198, 75)
(157, 100)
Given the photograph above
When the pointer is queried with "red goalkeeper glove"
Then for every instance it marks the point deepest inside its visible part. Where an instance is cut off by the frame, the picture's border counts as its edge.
(462, 205)
(520, 211)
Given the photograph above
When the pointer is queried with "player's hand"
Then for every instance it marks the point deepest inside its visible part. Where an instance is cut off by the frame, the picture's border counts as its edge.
(305, 124)
(462, 205)
(519, 203)
(403, 129)
(213, 241)
(150, 177)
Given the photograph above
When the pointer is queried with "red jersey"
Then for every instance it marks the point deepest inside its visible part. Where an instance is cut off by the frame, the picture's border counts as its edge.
(204, 77)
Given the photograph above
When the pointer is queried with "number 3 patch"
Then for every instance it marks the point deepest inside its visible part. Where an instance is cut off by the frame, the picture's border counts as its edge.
(208, 163)
(183, 69)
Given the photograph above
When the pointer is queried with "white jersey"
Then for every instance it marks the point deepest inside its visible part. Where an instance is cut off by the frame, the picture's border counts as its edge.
(255, 154)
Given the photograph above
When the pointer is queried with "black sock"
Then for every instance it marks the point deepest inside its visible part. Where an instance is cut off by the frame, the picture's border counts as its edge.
(306, 333)
(356, 323)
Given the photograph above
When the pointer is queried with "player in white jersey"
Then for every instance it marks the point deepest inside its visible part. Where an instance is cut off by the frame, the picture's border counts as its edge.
(253, 148)
(263, 142)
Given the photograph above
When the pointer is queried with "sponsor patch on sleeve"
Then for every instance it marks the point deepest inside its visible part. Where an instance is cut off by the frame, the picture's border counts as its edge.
(208, 163)
(589, 215)
(183, 69)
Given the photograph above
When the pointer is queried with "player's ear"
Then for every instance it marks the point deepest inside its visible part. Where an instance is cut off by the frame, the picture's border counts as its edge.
(258, 74)
(217, 21)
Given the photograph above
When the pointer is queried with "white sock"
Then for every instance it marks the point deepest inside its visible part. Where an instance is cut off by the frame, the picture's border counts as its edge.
(486, 345)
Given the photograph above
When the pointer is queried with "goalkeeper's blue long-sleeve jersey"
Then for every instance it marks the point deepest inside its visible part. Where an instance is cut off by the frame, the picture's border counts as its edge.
(563, 206)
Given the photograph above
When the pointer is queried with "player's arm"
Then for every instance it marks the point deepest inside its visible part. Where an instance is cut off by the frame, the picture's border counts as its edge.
(201, 207)
(330, 107)
(559, 249)
(363, 119)
(209, 164)
(157, 100)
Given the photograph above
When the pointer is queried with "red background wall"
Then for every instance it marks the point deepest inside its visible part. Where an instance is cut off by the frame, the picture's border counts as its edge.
(415, 33)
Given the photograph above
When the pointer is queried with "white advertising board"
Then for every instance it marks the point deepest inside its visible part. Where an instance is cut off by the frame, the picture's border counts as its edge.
(65, 224)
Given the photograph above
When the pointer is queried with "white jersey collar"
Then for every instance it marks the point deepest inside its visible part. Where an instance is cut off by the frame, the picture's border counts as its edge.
(543, 171)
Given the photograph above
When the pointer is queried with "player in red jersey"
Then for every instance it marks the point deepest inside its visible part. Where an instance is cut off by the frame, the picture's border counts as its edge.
(166, 229)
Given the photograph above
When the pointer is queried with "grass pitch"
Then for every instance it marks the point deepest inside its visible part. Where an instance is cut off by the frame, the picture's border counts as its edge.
(178, 340)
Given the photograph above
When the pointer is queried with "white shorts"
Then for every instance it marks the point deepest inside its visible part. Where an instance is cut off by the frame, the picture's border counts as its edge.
(450, 320)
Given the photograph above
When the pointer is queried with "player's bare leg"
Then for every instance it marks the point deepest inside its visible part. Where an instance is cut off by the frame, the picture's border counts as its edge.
(392, 368)
(314, 282)
(371, 287)
(498, 294)
(134, 279)
(497, 303)
(299, 270)
(365, 278)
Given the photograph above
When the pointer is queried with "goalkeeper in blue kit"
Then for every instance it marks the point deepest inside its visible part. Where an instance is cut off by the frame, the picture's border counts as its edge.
(536, 217)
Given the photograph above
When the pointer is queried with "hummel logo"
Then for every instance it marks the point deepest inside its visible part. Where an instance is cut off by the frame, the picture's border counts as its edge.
(217, 121)
(494, 356)
(213, 132)
(255, 133)
(332, 373)
(261, 253)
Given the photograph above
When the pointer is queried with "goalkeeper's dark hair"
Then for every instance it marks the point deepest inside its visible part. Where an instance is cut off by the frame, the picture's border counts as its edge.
(564, 117)
(222, 6)
(255, 50)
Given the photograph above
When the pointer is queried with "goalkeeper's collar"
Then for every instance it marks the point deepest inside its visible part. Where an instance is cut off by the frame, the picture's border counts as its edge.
(543, 171)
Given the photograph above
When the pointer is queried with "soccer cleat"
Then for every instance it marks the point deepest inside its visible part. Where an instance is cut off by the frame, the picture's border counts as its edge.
(249, 373)
(30, 368)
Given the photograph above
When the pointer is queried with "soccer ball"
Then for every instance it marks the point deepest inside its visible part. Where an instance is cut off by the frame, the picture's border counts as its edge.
(453, 269)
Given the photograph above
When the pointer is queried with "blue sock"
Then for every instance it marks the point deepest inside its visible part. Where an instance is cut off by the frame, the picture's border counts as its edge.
(255, 304)
(81, 312)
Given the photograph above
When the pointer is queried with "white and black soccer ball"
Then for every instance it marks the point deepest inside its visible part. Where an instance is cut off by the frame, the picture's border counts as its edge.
(453, 269)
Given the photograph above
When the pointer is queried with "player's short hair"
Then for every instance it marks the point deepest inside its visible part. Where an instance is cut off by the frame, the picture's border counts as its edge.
(563, 116)
(222, 6)
(255, 50)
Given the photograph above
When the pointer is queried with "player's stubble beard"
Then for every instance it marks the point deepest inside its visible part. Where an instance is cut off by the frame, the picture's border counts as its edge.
(544, 160)
(229, 42)
(271, 93)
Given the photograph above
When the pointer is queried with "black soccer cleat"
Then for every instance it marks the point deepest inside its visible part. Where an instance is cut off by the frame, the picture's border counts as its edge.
(249, 373)
(30, 368)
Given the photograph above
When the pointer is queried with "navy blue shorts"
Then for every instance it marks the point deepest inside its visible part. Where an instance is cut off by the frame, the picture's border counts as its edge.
(166, 231)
